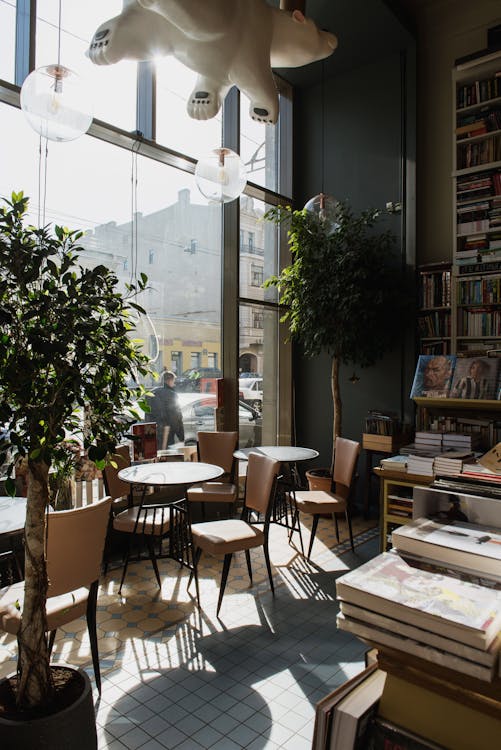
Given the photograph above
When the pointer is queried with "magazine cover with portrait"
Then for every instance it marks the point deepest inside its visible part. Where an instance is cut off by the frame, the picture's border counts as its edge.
(433, 378)
(475, 377)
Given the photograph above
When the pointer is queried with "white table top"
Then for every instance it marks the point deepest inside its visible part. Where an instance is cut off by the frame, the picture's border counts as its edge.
(282, 453)
(175, 472)
(12, 514)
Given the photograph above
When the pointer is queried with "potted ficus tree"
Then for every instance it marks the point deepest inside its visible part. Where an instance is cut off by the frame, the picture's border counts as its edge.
(65, 350)
(345, 291)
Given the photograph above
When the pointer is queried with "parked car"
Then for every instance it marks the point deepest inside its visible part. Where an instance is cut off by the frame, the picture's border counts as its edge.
(190, 381)
(198, 412)
(250, 390)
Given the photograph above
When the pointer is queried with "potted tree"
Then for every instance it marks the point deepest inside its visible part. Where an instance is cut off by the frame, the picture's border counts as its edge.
(65, 351)
(344, 292)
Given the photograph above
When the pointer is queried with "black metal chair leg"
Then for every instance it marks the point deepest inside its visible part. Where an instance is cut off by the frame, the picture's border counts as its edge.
(334, 518)
(153, 558)
(196, 557)
(249, 566)
(224, 578)
(348, 521)
(91, 627)
(268, 567)
(52, 637)
(313, 532)
(126, 564)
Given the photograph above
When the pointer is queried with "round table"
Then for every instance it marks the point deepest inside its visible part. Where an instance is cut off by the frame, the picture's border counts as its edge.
(284, 453)
(162, 474)
(12, 515)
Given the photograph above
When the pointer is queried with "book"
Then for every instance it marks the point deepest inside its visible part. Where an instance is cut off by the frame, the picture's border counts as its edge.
(475, 377)
(352, 714)
(433, 376)
(469, 545)
(487, 658)
(384, 735)
(491, 461)
(325, 707)
(395, 639)
(394, 463)
(445, 605)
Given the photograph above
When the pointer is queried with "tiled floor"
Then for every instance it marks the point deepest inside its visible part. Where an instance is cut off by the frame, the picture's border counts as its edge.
(177, 677)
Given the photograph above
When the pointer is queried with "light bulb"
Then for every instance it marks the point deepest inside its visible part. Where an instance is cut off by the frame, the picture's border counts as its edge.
(56, 103)
(221, 175)
(326, 209)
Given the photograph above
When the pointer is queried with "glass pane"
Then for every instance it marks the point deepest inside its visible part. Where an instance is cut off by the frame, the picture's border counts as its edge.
(175, 128)
(258, 250)
(258, 369)
(175, 240)
(258, 148)
(113, 86)
(7, 39)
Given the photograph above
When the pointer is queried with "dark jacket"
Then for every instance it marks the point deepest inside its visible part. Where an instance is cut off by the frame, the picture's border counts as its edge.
(166, 412)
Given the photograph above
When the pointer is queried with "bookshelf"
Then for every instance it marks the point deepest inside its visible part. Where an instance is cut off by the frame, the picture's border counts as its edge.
(395, 485)
(476, 268)
(434, 313)
(461, 415)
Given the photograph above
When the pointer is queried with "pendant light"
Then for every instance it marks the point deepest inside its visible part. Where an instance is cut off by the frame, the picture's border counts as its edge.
(324, 207)
(221, 175)
(56, 101)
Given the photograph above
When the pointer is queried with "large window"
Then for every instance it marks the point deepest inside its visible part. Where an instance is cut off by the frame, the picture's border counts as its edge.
(141, 212)
(7, 39)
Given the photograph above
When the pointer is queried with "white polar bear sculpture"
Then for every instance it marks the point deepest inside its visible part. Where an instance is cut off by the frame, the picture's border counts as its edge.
(227, 42)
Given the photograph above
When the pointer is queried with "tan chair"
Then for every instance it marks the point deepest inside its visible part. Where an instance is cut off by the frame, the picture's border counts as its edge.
(232, 535)
(318, 503)
(75, 543)
(217, 448)
(119, 491)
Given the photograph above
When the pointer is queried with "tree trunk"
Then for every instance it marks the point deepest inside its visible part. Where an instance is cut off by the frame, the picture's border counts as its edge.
(337, 407)
(35, 682)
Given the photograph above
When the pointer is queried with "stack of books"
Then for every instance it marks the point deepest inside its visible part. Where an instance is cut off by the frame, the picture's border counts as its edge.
(452, 463)
(444, 620)
(429, 441)
(456, 543)
(456, 441)
(422, 465)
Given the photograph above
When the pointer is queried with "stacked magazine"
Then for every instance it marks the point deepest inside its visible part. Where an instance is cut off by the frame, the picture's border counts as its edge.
(442, 619)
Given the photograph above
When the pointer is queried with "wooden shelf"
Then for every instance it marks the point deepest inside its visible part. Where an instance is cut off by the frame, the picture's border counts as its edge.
(466, 404)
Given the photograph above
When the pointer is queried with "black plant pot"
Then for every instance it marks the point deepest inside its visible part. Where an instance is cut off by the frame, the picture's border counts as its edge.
(72, 728)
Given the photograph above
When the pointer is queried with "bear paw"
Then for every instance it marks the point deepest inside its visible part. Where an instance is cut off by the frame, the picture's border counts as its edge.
(202, 105)
(262, 113)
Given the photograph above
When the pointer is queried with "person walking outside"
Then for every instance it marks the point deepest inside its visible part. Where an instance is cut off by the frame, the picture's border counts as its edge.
(166, 412)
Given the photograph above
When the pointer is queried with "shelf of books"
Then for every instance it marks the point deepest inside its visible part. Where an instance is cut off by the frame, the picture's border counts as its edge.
(434, 314)
(476, 305)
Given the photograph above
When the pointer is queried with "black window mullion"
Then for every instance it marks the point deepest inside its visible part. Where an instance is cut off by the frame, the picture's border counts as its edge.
(26, 11)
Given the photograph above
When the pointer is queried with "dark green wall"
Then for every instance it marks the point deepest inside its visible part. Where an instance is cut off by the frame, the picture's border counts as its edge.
(363, 151)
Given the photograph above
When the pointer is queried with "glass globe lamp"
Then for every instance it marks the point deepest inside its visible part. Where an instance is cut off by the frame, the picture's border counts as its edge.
(57, 103)
(221, 175)
(325, 208)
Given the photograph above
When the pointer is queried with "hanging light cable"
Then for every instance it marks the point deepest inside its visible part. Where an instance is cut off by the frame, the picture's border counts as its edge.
(323, 206)
(56, 101)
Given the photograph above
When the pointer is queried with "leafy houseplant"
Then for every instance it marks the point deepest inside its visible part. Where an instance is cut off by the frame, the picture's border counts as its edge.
(344, 291)
(65, 350)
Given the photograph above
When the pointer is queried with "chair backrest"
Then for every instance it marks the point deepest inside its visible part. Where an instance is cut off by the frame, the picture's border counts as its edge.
(345, 462)
(218, 448)
(261, 475)
(75, 544)
(114, 486)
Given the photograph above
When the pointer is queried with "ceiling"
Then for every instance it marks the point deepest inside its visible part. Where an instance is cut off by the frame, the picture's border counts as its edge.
(366, 29)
